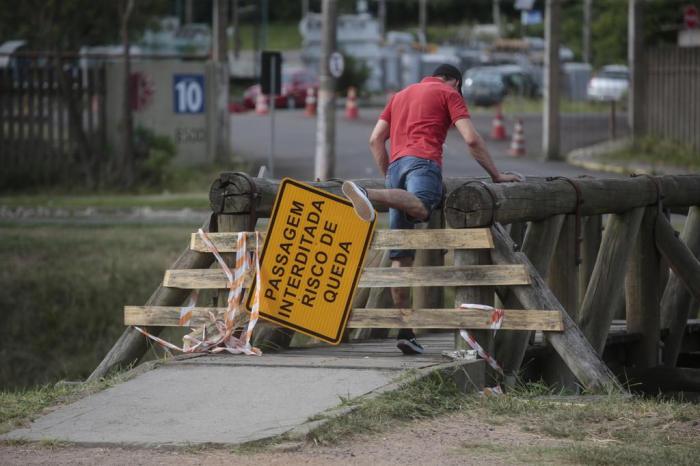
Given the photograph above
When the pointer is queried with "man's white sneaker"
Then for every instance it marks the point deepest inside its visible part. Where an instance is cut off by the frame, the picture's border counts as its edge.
(360, 201)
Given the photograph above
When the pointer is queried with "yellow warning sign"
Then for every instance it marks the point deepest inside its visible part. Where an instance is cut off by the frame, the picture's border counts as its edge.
(312, 260)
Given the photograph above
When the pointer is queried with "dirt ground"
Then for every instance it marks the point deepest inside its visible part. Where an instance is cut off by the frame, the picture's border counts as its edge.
(457, 439)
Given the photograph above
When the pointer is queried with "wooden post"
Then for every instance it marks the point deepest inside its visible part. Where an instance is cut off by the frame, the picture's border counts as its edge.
(676, 302)
(563, 281)
(539, 199)
(607, 282)
(132, 345)
(642, 293)
(579, 356)
(592, 231)
(563, 270)
(473, 295)
(538, 246)
(681, 259)
(429, 297)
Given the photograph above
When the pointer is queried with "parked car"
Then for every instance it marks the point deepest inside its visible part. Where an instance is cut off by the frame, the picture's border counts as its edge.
(488, 85)
(295, 83)
(610, 83)
(484, 89)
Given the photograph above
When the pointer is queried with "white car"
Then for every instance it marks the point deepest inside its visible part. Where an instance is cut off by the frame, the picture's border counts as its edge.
(611, 83)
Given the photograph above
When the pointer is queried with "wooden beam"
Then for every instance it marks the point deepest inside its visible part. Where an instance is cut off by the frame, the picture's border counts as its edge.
(484, 275)
(681, 259)
(132, 345)
(232, 194)
(472, 205)
(513, 319)
(642, 293)
(538, 245)
(473, 238)
(571, 345)
(605, 290)
(676, 301)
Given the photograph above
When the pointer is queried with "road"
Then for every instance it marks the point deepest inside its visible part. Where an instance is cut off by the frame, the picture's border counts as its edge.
(295, 139)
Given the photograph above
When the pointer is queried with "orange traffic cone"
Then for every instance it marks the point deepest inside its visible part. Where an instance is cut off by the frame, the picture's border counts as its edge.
(498, 130)
(351, 110)
(261, 104)
(310, 109)
(517, 145)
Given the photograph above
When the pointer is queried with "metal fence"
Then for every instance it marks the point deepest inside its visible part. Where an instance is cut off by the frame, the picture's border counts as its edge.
(52, 114)
(671, 107)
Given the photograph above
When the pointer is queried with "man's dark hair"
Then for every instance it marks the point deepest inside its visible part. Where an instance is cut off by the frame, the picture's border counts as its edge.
(448, 71)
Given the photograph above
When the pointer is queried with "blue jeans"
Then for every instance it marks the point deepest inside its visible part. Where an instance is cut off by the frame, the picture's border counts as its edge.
(422, 178)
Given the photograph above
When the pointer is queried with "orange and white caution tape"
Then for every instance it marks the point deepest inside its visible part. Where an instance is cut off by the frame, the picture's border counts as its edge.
(186, 310)
(484, 355)
(496, 314)
(226, 339)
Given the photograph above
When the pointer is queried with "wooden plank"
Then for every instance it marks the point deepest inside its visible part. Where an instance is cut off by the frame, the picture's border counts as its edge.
(513, 319)
(476, 275)
(676, 301)
(471, 238)
(571, 345)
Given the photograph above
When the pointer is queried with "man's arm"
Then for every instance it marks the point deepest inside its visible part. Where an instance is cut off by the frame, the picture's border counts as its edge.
(377, 144)
(478, 149)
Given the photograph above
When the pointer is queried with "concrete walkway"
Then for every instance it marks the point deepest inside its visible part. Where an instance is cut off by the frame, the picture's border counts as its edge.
(227, 399)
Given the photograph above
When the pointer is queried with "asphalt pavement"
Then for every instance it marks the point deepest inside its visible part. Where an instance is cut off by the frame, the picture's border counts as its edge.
(294, 144)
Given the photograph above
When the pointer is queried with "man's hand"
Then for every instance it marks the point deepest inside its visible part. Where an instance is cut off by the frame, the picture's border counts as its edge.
(506, 178)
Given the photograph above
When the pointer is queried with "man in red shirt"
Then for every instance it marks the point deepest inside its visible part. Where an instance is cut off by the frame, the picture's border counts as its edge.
(416, 121)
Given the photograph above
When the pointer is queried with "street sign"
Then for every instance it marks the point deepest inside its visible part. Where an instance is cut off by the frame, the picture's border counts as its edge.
(188, 93)
(271, 73)
(336, 64)
(312, 260)
(691, 18)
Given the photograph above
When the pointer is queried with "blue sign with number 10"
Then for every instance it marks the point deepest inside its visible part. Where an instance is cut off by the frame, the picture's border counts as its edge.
(188, 93)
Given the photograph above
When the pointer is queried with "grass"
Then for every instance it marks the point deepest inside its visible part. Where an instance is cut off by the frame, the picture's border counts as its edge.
(280, 36)
(62, 291)
(605, 430)
(186, 187)
(109, 201)
(659, 153)
(521, 105)
(19, 407)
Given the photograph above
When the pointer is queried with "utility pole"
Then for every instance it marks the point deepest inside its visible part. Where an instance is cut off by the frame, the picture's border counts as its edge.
(550, 117)
(381, 15)
(221, 72)
(496, 9)
(236, 31)
(587, 8)
(325, 124)
(635, 42)
(188, 11)
(423, 20)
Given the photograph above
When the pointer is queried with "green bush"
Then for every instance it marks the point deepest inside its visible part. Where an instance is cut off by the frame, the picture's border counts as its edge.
(354, 75)
(153, 154)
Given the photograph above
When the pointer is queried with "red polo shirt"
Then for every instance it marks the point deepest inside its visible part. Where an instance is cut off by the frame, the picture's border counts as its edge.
(419, 117)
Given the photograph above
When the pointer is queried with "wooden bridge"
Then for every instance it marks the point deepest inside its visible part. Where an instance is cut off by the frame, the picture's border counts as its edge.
(537, 246)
